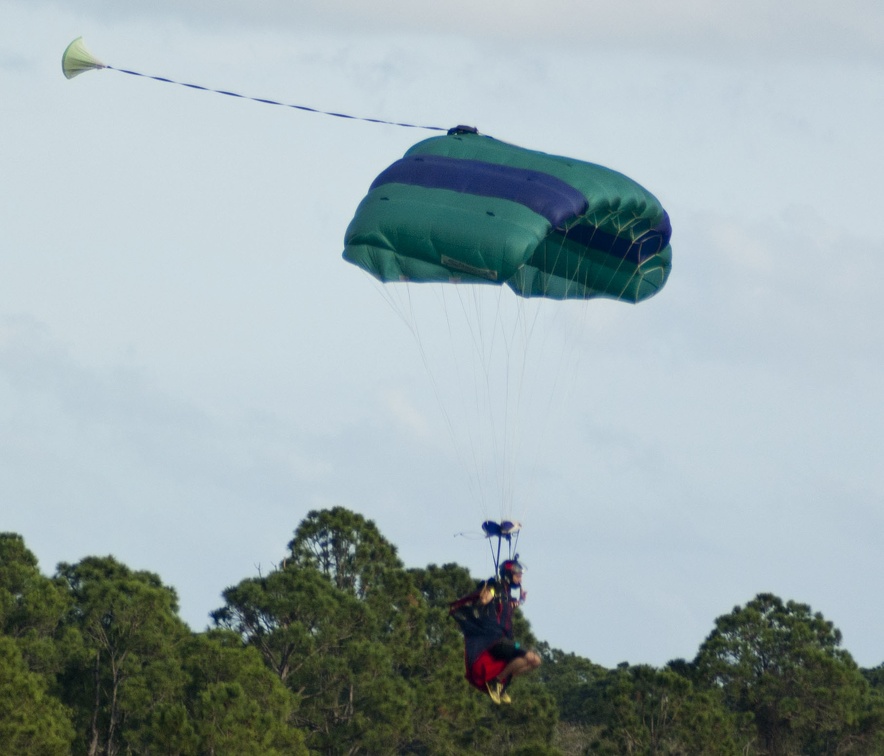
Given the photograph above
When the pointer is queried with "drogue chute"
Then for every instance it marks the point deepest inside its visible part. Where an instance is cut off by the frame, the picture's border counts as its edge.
(77, 59)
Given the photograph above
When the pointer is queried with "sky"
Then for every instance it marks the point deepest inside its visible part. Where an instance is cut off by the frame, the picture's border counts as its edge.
(188, 366)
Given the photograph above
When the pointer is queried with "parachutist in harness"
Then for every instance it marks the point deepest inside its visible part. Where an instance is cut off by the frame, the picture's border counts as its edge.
(493, 657)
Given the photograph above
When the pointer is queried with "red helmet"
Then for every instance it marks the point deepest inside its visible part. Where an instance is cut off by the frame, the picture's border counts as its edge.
(509, 568)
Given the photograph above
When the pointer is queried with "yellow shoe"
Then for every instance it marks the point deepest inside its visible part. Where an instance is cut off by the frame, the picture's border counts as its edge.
(505, 697)
(494, 691)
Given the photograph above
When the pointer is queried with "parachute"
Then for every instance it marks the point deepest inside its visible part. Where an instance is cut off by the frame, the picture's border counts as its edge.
(467, 208)
(76, 59)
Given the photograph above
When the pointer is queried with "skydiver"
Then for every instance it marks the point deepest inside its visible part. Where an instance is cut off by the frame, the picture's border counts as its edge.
(493, 658)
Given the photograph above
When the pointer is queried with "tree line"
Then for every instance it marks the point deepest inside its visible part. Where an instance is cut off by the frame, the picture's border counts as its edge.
(340, 649)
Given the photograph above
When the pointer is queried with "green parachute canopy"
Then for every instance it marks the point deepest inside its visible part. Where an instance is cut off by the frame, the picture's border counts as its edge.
(466, 208)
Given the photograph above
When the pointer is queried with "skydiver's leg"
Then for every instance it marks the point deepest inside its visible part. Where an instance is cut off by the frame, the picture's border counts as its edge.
(520, 665)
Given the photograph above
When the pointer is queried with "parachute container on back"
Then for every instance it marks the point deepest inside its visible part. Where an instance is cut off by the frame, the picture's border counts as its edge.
(466, 208)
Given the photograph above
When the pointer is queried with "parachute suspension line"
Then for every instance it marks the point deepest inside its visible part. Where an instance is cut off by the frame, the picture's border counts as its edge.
(502, 531)
(560, 359)
(502, 342)
(474, 367)
(623, 227)
(558, 256)
(514, 374)
(495, 556)
(464, 370)
(500, 336)
(399, 298)
(503, 358)
(413, 323)
(526, 355)
(506, 485)
(483, 338)
(484, 406)
(77, 59)
(516, 344)
(480, 349)
(528, 365)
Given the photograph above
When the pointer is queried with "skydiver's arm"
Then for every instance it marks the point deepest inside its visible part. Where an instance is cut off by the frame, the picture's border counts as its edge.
(483, 596)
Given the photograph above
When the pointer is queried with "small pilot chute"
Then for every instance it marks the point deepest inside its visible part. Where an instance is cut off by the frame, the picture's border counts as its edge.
(77, 59)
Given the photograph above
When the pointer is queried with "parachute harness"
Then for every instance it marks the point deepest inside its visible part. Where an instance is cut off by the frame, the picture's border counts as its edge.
(507, 531)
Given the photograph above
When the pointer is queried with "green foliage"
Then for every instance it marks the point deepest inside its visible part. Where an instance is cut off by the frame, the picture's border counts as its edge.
(347, 548)
(31, 720)
(344, 626)
(642, 710)
(230, 683)
(328, 647)
(32, 607)
(129, 625)
(781, 664)
(140, 682)
(570, 679)
(875, 676)
(341, 650)
(33, 643)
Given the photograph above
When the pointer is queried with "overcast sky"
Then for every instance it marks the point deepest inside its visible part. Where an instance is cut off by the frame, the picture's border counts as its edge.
(187, 365)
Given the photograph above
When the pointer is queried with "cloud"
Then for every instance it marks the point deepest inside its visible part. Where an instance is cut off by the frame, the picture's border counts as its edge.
(779, 291)
(187, 363)
(406, 415)
(101, 425)
(811, 29)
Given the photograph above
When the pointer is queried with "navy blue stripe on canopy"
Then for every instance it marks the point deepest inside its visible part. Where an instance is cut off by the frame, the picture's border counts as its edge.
(647, 245)
(546, 195)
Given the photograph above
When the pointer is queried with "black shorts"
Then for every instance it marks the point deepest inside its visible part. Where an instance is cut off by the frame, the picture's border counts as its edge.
(507, 650)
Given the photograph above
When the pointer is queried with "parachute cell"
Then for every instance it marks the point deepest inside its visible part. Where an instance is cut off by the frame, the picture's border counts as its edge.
(468, 208)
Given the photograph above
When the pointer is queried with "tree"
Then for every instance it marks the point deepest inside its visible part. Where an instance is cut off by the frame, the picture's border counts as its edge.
(783, 665)
(569, 678)
(392, 626)
(642, 710)
(238, 705)
(875, 676)
(31, 721)
(346, 548)
(33, 646)
(325, 644)
(127, 665)
(32, 608)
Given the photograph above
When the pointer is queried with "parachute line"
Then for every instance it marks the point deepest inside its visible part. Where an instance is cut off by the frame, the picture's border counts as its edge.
(266, 101)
